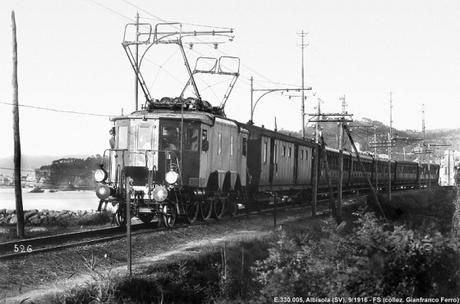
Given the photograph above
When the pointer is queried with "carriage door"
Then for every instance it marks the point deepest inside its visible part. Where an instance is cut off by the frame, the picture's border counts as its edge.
(191, 154)
(296, 162)
(273, 160)
(204, 155)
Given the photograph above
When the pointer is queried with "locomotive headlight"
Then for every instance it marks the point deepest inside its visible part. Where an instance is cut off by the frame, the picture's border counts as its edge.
(102, 191)
(171, 177)
(160, 193)
(100, 175)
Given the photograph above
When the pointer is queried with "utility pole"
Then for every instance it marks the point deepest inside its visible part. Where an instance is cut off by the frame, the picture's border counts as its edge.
(17, 139)
(448, 167)
(128, 224)
(252, 100)
(376, 161)
(317, 123)
(303, 45)
(340, 186)
(136, 80)
(390, 138)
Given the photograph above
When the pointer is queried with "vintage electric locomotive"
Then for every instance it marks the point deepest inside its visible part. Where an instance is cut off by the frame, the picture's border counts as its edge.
(186, 163)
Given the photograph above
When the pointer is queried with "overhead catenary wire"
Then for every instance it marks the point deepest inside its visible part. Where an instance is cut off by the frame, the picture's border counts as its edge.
(58, 110)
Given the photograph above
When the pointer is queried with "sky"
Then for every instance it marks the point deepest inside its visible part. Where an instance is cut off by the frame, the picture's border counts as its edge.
(71, 58)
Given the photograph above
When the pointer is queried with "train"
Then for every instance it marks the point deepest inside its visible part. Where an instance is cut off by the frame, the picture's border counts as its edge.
(182, 158)
(187, 161)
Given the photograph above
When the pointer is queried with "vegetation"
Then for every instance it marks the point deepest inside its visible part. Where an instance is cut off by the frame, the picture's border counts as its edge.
(373, 257)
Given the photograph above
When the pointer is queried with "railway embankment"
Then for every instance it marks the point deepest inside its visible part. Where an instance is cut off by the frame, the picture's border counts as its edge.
(306, 258)
(47, 222)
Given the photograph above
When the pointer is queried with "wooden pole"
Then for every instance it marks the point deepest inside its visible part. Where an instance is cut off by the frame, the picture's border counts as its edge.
(374, 194)
(340, 185)
(328, 179)
(128, 225)
(136, 79)
(274, 210)
(315, 181)
(389, 166)
(17, 139)
(448, 167)
(376, 160)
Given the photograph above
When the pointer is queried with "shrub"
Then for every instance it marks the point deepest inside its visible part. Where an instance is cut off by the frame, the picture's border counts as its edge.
(396, 261)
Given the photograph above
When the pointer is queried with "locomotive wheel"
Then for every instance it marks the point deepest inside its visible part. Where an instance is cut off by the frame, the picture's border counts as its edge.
(218, 207)
(192, 208)
(145, 217)
(120, 215)
(169, 215)
(206, 209)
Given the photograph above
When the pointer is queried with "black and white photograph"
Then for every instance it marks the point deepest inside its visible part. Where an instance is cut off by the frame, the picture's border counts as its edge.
(229, 152)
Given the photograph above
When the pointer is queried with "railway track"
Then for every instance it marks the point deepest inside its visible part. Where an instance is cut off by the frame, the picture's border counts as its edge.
(25, 247)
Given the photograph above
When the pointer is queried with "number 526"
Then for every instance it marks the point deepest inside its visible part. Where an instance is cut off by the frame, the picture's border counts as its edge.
(22, 248)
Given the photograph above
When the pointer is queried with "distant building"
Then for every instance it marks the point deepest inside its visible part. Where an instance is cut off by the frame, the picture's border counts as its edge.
(448, 162)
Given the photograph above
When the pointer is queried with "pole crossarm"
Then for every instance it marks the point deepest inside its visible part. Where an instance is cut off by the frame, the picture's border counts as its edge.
(268, 91)
(331, 117)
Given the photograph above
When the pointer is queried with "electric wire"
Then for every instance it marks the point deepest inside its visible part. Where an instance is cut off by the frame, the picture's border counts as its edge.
(57, 110)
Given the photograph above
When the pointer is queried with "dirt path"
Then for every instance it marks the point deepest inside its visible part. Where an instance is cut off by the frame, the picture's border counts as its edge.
(38, 275)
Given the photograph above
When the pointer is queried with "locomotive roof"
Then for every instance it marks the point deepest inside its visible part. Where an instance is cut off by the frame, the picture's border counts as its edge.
(204, 117)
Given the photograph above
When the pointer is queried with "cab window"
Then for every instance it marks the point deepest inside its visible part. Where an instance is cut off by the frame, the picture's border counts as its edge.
(169, 136)
(145, 138)
(123, 137)
(191, 139)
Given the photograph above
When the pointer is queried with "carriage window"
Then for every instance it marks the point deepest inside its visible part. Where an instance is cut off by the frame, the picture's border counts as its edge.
(191, 139)
(265, 152)
(245, 146)
(231, 145)
(219, 148)
(204, 140)
(169, 137)
(122, 137)
(301, 154)
(283, 152)
(145, 138)
(306, 154)
(289, 152)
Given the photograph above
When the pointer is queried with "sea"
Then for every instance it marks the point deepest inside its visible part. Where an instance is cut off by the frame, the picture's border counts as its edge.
(60, 200)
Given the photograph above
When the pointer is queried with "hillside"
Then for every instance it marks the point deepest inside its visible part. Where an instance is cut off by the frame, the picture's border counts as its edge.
(407, 139)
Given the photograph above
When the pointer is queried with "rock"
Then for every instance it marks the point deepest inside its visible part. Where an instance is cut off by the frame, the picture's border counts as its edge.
(38, 229)
(33, 217)
(10, 211)
(52, 220)
(36, 221)
(2, 211)
(13, 220)
(29, 214)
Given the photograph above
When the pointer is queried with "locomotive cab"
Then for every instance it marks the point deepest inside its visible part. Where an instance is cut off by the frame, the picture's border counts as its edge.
(160, 154)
